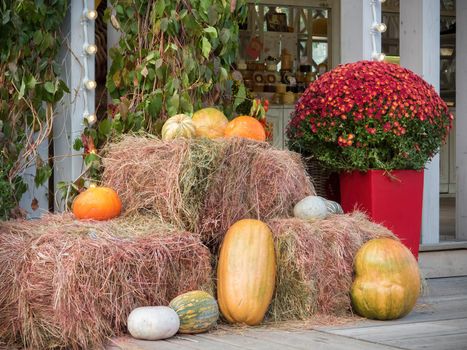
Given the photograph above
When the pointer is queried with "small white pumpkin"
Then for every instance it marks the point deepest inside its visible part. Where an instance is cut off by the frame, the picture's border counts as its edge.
(333, 207)
(153, 322)
(310, 208)
(180, 125)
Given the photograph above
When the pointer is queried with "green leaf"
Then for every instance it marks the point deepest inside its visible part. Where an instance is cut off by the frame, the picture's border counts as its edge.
(205, 47)
(223, 74)
(37, 37)
(105, 127)
(164, 24)
(225, 36)
(159, 62)
(31, 84)
(211, 30)
(49, 87)
(91, 157)
(62, 85)
(119, 9)
(241, 95)
(78, 144)
(42, 174)
(21, 90)
(6, 17)
(159, 8)
(155, 105)
(173, 104)
(185, 103)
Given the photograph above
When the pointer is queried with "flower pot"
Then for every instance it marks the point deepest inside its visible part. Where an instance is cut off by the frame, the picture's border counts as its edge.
(393, 200)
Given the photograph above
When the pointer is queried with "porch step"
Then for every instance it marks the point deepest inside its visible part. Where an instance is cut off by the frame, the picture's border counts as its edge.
(443, 263)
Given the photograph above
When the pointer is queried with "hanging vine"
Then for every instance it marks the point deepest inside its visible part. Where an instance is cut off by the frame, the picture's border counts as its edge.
(173, 57)
(29, 89)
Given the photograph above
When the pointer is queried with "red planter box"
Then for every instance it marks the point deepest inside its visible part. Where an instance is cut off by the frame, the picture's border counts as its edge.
(393, 200)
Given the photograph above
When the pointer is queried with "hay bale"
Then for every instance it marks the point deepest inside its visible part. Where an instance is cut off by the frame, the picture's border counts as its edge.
(203, 185)
(71, 284)
(253, 180)
(315, 263)
(166, 178)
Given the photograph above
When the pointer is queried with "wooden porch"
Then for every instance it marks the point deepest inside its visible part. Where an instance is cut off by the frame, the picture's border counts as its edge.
(439, 322)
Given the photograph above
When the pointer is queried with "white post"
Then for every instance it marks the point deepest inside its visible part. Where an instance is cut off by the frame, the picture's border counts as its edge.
(419, 52)
(76, 64)
(113, 36)
(36, 199)
(356, 22)
(461, 120)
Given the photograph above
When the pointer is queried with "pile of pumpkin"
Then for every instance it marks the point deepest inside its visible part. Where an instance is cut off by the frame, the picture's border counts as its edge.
(386, 283)
(212, 123)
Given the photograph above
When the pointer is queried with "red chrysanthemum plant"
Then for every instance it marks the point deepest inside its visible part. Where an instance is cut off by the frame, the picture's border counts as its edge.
(370, 115)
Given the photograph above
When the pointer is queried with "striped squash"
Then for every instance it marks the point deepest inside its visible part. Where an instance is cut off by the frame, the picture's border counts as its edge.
(333, 207)
(197, 310)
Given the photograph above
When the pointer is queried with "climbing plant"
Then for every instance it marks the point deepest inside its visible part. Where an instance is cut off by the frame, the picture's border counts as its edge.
(173, 57)
(29, 89)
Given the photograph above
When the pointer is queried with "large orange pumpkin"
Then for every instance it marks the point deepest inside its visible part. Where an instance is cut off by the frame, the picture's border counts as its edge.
(210, 123)
(97, 203)
(246, 272)
(387, 280)
(247, 127)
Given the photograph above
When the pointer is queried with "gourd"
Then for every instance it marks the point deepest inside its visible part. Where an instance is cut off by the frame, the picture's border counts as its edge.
(333, 207)
(97, 203)
(179, 125)
(246, 127)
(311, 208)
(387, 280)
(153, 322)
(209, 122)
(246, 272)
(198, 311)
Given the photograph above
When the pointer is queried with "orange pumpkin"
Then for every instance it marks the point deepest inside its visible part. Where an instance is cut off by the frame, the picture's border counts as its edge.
(97, 203)
(209, 122)
(247, 127)
(246, 272)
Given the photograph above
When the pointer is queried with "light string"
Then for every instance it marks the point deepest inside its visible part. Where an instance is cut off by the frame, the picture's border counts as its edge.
(376, 29)
(89, 50)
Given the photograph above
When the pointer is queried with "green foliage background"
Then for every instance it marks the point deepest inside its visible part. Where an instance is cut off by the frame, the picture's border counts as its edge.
(29, 89)
(173, 57)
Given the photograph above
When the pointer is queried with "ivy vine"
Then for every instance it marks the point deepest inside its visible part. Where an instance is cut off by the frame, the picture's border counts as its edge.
(29, 88)
(173, 57)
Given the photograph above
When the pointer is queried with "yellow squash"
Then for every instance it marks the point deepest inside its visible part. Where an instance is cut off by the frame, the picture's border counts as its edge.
(210, 122)
(246, 272)
(387, 280)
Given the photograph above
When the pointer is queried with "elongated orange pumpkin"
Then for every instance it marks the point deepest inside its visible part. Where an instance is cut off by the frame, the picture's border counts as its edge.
(246, 272)
(97, 203)
(387, 280)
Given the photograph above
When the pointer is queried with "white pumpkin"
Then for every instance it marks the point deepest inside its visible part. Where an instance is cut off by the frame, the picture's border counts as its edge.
(153, 322)
(179, 125)
(310, 208)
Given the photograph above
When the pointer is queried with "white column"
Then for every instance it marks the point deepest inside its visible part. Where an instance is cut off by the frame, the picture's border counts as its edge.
(113, 35)
(68, 126)
(419, 51)
(461, 119)
(35, 201)
(356, 22)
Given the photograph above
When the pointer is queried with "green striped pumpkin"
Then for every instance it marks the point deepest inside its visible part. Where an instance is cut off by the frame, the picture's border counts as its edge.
(333, 207)
(198, 311)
